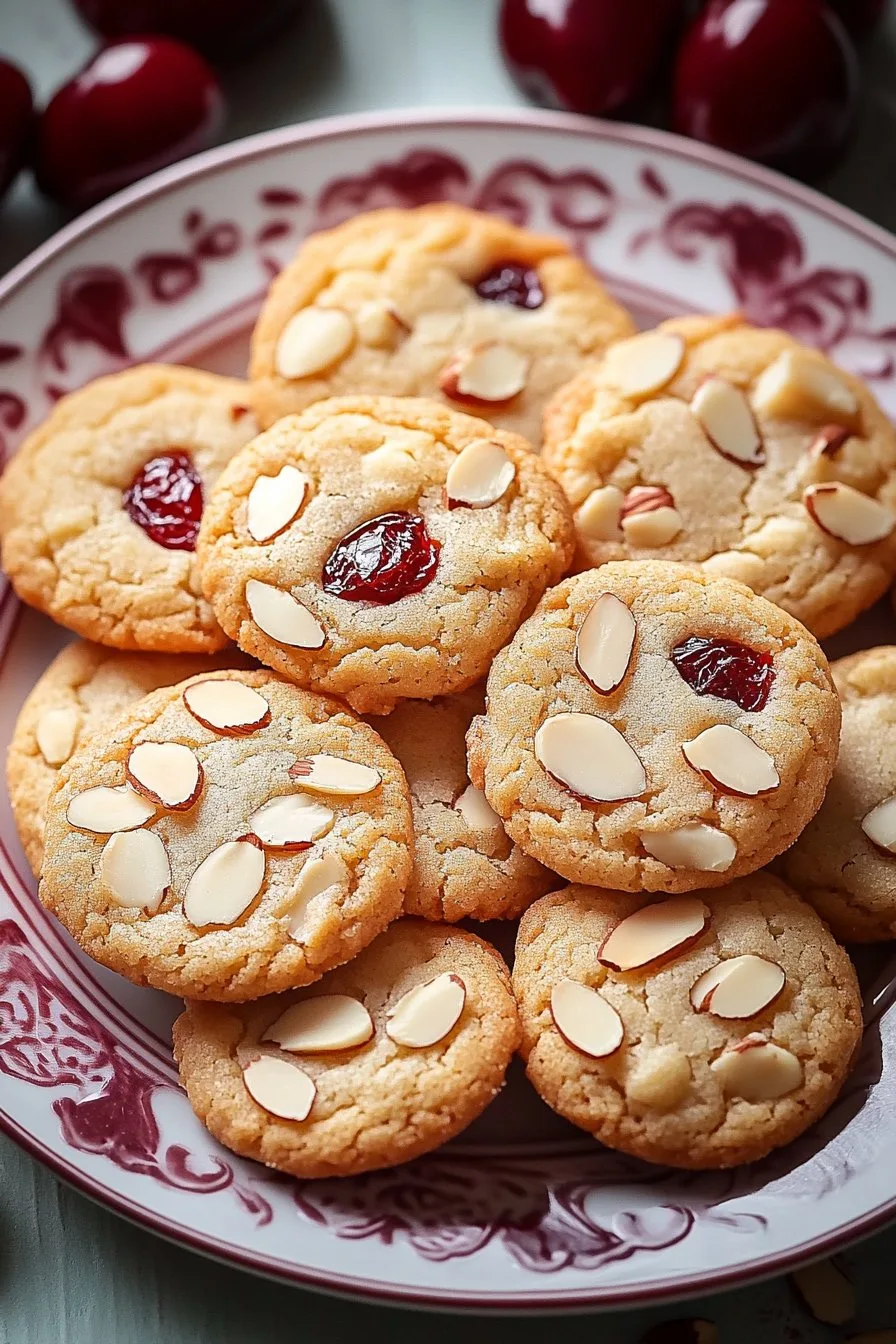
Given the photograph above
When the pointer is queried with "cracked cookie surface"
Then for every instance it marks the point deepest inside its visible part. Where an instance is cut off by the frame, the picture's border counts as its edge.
(465, 865)
(747, 519)
(417, 292)
(379, 1103)
(301, 910)
(69, 545)
(459, 577)
(638, 837)
(657, 1095)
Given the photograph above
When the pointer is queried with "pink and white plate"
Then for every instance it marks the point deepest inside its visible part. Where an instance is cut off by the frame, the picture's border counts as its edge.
(522, 1211)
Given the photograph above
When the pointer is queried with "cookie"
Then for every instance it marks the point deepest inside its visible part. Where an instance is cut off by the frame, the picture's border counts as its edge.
(651, 728)
(84, 688)
(844, 862)
(465, 865)
(440, 301)
(710, 440)
(701, 1031)
(228, 837)
(381, 549)
(385, 1059)
(100, 507)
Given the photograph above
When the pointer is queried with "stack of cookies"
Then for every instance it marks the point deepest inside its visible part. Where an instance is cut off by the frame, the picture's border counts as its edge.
(342, 698)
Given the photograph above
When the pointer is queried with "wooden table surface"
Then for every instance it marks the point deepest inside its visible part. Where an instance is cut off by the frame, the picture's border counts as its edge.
(73, 1273)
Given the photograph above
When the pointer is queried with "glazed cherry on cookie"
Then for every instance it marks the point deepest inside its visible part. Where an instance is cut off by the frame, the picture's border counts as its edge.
(165, 499)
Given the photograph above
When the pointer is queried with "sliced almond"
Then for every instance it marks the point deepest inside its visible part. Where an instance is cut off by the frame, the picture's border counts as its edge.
(658, 930)
(585, 1019)
(880, 825)
(757, 1070)
(479, 475)
(799, 386)
(317, 876)
(829, 440)
(727, 421)
(280, 1087)
(605, 642)
(379, 325)
(826, 1292)
(167, 773)
(848, 515)
(732, 761)
(227, 707)
(477, 811)
(645, 499)
(226, 882)
(644, 364)
(57, 733)
(739, 987)
(274, 502)
(282, 617)
(489, 373)
(649, 517)
(696, 845)
(292, 821)
(590, 757)
(322, 1024)
(334, 774)
(134, 867)
(598, 518)
(313, 340)
(105, 810)
(428, 1012)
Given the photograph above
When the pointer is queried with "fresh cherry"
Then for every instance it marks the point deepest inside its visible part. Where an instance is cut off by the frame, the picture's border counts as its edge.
(585, 55)
(859, 16)
(16, 121)
(775, 80)
(215, 27)
(137, 105)
(725, 668)
(165, 499)
(382, 560)
(509, 282)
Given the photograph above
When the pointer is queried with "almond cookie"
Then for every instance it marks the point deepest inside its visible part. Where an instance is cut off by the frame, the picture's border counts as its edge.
(100, 507)
(380, 548)
(84, 688)
(438, 301)
(651, 728)
(710, 440)
(385, 1059)
(844, 862)
(465, 865)
(701, 1032)
(228, 837)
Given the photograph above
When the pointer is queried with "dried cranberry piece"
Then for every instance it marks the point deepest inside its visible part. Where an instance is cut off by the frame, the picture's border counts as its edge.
(165, 499)
(382, 560)
(508, 282)
(725, 668)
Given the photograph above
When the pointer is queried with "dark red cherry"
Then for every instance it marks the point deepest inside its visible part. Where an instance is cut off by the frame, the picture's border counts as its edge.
(137, 105)
(382, 560)
(775, 80)
(215, 27)
(585, 55)
(859, 16)
(16, 121)
(509, 282)
(165, 499)
(725, 668)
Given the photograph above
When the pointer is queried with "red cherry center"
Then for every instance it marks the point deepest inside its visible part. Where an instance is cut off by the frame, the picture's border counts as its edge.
(508, 282)
(382, 560)
(725, 668)
(165, 499)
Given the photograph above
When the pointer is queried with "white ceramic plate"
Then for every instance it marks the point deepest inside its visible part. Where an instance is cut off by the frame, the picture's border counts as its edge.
(522, 1212)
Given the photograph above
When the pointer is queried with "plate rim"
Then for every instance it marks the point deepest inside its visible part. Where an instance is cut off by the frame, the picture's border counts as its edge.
(219, 159)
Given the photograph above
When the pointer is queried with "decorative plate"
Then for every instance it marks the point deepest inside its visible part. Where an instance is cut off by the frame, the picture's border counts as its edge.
(522, 1212)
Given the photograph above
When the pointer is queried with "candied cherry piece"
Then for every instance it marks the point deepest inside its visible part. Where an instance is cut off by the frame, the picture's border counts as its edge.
(509, 282)
(385, 559)
(725, 668)
(165, 499)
